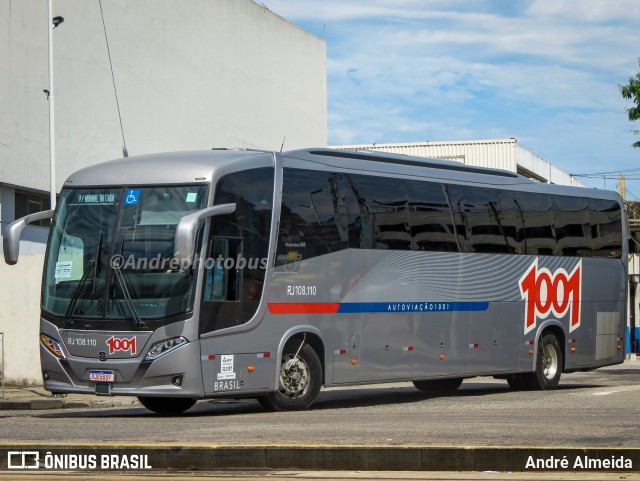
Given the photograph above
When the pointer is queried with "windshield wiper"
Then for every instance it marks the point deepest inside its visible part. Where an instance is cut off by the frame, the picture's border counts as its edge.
(68, 316)
(95, 267)
(127, 298)
(125, 293)
(93, 263)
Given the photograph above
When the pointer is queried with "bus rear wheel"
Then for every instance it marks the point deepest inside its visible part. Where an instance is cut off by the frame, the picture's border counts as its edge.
(299, 381)
(166, 405)
(439, 385)
(548, 365)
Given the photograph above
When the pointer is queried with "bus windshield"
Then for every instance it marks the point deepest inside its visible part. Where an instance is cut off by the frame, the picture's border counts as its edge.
(110, 254)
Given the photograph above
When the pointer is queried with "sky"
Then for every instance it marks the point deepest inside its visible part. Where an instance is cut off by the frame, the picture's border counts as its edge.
(543, 71)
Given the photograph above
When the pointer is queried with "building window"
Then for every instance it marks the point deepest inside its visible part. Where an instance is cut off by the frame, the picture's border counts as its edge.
(29, 203)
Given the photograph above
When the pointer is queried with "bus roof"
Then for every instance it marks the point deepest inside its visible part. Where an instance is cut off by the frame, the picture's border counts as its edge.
(188, 167)
(166, 168)
(437, 169)
(406, 160)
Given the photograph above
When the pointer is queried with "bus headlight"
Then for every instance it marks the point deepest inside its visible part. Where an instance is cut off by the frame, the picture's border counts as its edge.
(163, 347)
(52, 346)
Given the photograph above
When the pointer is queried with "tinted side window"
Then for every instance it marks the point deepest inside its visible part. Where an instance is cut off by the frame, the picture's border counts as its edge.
(537, 235)
(310, 218)
(356, 218)
(386, 206)
(431, 221)
(606, 228)
(326, 212)
(511, 219)
(572, 226)
(480, 212)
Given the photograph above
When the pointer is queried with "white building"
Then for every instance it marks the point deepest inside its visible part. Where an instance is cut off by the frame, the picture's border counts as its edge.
(503, 154)
(188, 75)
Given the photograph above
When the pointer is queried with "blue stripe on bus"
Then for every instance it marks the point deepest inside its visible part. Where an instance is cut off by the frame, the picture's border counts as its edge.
(360, 307)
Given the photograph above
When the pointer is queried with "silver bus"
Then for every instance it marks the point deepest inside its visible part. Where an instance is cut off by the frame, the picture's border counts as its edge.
(251, 274)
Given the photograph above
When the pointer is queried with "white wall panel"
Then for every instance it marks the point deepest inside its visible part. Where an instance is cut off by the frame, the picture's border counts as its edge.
(190, 75)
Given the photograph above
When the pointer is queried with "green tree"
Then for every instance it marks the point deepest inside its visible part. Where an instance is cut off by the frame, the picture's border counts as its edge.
(632, 92)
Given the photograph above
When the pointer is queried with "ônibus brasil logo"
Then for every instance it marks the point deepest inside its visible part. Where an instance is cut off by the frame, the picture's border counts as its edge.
(548, 292)
(117, 344)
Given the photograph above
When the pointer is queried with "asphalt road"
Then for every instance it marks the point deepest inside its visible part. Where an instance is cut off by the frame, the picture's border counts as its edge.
(596, 409)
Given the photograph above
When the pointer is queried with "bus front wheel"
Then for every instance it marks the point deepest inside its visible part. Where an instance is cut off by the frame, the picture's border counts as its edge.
(548, 365)
(166, 405)
(299, 380)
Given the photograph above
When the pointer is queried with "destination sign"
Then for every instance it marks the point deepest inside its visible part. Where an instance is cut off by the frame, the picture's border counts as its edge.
(96, 198)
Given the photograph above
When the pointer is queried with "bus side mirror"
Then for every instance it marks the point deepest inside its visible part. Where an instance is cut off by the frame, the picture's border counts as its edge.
(11, 240)
(185, 238)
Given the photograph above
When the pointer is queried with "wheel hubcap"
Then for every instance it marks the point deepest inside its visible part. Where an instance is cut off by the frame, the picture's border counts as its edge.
(294, 377)
(549, 361)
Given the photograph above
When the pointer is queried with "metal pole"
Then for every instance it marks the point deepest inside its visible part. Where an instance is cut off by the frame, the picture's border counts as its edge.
(52, 140)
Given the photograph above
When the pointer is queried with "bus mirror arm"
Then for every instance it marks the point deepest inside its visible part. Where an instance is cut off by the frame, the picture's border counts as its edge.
(187, 229)
(11, 240)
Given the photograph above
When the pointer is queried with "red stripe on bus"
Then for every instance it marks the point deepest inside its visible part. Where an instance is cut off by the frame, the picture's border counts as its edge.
(304, 308)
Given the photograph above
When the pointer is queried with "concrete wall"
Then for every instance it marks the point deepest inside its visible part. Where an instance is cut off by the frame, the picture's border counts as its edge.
(20, 318)
(189, 75)
(20, 300)
(543, 170)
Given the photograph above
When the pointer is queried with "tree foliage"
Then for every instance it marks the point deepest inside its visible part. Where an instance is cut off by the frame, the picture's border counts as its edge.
(632, 92)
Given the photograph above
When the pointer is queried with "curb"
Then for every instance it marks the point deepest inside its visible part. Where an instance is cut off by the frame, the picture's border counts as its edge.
(50, 403)
(323, 457)
(41, 404)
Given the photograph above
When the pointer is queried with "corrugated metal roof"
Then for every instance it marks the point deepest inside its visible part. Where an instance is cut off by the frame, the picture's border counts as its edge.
(497, 154)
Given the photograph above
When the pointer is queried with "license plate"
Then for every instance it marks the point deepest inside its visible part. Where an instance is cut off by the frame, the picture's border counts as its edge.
(102, 376)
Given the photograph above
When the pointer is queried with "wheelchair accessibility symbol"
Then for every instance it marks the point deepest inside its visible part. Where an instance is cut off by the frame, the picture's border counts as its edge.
(132, 197)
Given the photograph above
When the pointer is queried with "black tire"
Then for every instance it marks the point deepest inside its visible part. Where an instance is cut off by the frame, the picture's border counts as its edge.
(166, 405)
(548, 365)
(516, 382)
(439, 386)
(299, 381)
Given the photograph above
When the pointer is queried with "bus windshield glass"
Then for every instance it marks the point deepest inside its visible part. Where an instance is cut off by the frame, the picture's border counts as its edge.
(110, 253)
